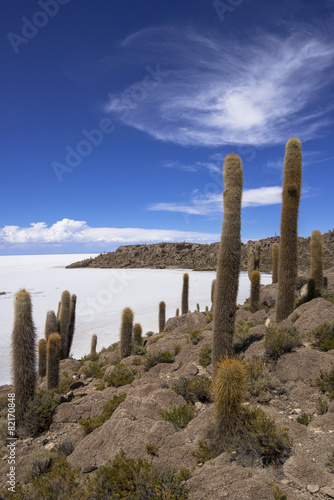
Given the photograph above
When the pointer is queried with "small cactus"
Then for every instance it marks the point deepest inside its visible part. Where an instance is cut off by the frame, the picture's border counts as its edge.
(275, 253)
(42, 358)
(137, 334)
(93, 345)
(51, 324)
(162, 316)
(126, 332)
(197, 308)
(229, 388)
(177, 312)
(23, 353)
(255, 290)
(288, 251)
(53, 354)
(185, 294)
(317, 259)
(72, 324)
(64, 322)
(228, 265)
(206, 309)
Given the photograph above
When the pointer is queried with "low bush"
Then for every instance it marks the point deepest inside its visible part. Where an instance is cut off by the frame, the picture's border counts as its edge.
(89, 424)
(279, 340)
(196, 336)
(260, 381)
(158, 357)
(194, 389)
(304, 419)
(242, 337)
(138, 350)
(93, 369)
(179, 416)
(38, 415)
(325, 382)
(321, 406)
(204, 358)
(119, 376)
(38, 463)
(324, 337)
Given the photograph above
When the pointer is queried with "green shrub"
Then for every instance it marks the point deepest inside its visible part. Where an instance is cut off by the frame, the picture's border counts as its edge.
(179, 416)
(121, 375)
(64, 385)
(89, 424)
(203, 452)
(195, 389)
(242, 338)
(38, 463)
(151, 449)
(158, 357)
(260, 382)
(63, 449)
(326, 382)
(113, 347)
(324, 337)
(135, 479)
(176, 349)
(204, 358)
(38, 415)
(278, 493)
(93, 369)
(304, 419)
(149, 334)
(321, 406)
(155, 339)
(137, 362)
(138, 350)
(330, 462)
(196, 336)
(279, 340)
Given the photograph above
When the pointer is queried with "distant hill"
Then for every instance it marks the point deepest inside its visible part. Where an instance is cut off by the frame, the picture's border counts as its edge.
(199, 257)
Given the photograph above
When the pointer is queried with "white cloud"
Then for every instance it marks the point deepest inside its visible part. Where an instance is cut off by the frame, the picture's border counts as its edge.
(218, 91)
(194, 167)
(70, 231)
(212, 204)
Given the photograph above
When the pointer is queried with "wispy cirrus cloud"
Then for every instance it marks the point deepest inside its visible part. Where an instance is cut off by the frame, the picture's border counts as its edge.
(212, 204)
(69, 231)
(210, 166)
(219, 91)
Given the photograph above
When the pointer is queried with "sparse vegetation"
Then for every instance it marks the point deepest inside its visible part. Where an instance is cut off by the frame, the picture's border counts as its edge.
(89, 424)
(324, 337)
(158, 357)
(194, 389)
(260, 381)
(119, 376)
(179, 416)
(196, 336)
(326, 382)
(204, 358)
(304, 419)
(39, 412)
(321, 406)
(242, 337)
(279, 340)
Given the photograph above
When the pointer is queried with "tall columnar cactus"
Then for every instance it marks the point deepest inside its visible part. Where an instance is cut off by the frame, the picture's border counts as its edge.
(288, 253)
(126, 332)
(72, 323)
(213, 287)
(229, 388)
(23, 353)
(162, 316)
(317, 259)
(51, 324)
(53, 354)
(177, 312)
(251, 262)
(64, 322)
(185, 294)
(93, 345)
(275, 254)
(42, 358)
(255, 290)
(228, 260)
(257, 253)
(137, 334)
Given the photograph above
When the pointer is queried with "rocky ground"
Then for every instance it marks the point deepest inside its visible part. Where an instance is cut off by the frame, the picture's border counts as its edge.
(199, 257)
(137, 421)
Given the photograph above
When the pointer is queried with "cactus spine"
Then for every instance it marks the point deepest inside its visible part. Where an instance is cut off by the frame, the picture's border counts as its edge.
(51, 324)
(229, 387)
(64, 322)
(288, 253)
(185, 294)
(126, 332)
(162, 316)
(317, 259)
(72, 323)
(42, 358)
(93, 345)
(137, 334)
(275, 254)
(228, 266)
(23, 353)
(53, 354)
(255, 290)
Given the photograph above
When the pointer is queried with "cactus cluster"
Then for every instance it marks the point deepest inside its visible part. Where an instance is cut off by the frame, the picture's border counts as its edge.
(228, 266)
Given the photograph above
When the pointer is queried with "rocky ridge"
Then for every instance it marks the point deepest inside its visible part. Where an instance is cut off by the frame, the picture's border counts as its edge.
(199, 257)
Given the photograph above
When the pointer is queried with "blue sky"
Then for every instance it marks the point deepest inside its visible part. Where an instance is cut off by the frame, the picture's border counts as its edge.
(116, 118)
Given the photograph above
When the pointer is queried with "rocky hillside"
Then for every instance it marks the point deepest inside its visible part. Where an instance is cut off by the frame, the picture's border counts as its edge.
(198, 256)
(290, 456)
